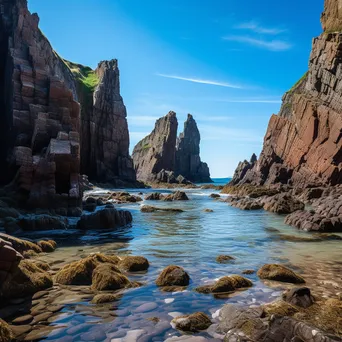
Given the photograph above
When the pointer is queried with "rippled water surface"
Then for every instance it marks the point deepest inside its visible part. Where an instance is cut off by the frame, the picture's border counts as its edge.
(192, 239)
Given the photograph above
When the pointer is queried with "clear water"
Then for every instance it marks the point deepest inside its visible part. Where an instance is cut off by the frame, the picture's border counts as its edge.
(192, 239)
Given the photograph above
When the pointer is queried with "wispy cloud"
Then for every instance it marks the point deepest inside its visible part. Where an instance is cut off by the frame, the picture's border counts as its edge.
(202, 81)
(272, 45)
(257, 28)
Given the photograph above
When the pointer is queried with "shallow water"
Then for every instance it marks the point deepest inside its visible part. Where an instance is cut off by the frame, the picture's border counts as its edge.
(192, 239)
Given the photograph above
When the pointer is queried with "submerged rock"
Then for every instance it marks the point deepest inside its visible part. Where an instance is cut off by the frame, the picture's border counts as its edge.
(222, 259)
(192, 323)
(279, 273)
(105, 298)
(151, 209)
(173, 276)
(225, 285)
(107, 218)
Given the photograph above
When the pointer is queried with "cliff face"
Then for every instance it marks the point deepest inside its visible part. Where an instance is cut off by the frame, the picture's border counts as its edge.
(242, 170)
(39, 132)
(188, 161)
(332, 16)
(156, 152)
(104, 130)
(302, 146)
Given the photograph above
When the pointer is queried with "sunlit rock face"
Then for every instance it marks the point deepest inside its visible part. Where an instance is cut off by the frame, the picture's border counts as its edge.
(157, 151)
(40, 114)
(188, 160)
(302, 145)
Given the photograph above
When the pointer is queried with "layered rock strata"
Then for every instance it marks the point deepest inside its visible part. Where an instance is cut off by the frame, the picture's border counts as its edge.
(104, 130)
(303, 144)
(40, 115)
(157, 151)
(162, 158)
(188, 160)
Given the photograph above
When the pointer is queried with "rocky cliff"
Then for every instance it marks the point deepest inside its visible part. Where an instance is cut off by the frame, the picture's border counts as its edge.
(242, 169)
(303, 145)
(156, 152)
(188, 160)
(40, 115)
(104, 130)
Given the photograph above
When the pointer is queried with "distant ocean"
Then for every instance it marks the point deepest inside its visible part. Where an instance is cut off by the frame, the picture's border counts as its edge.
(220, 181)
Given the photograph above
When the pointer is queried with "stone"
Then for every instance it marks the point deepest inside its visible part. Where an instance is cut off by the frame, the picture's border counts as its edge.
(283, 204)
(173, 276)
(107, 218)
(133, 264)
(214, 196)
(107, 277)
(156, 152)
(299, 297)
(47, 246)
(222, 259)
(43, 222)
(81, 272)
(192, 323)
(226, 285)
(103, 298)
(176, 196)
(279, 273)
(151, 209)
(20, 245)
(188, 163)
(27, 279)
(6, 334)
(154, 196)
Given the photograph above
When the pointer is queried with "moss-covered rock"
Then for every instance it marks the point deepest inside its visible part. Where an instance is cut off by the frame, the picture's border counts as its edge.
(21, 245)
(134, 264)
(6, 334)
(192, 323)
(27, 279)
(108, 277)
(103, 298)
(47, 246)
(223, 259)
(279, 273)
(225, 285)
(81, 272)
(173, 276)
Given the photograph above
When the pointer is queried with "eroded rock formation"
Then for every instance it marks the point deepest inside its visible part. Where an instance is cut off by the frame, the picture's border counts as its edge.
(104, 130)
(188, 160)
(39, 148)
(156, 152)
(162, 158)
(303, 144)
(242, 169)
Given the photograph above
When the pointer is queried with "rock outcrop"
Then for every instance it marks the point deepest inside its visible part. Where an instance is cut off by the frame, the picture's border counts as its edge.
(39, 147)
(162, 158)
(156, 152)
(104, 129)
(303, 144)
(188, 160)
(242, 169)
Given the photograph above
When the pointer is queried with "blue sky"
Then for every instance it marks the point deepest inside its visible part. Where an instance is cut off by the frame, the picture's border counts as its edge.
(227, 62)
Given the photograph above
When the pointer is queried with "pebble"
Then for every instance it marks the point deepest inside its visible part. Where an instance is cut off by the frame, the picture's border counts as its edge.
(40, 294)
(23, 320)
(169, 300)
(19, 330)
(146, 307)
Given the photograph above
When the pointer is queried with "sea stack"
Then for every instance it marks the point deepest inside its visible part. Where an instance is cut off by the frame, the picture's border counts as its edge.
(156, 152)
(303, 143)
(188, 160)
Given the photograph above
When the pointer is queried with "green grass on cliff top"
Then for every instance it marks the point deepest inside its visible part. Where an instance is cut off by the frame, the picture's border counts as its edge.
(298, 82)
(84, 74)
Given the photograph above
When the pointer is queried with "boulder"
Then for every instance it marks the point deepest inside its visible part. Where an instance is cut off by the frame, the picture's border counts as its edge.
(173, 276)
(279, 273)
(192, 323)
(27, 279)
(108, 218)
(222, 259)
(105, 298)
(81, 272)
(21, 245)
(214, 196)
(154, 196)
(134, 264)
(43, 222)
(107, 277)
(176, 196)
(47, 246)
(225, 285)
